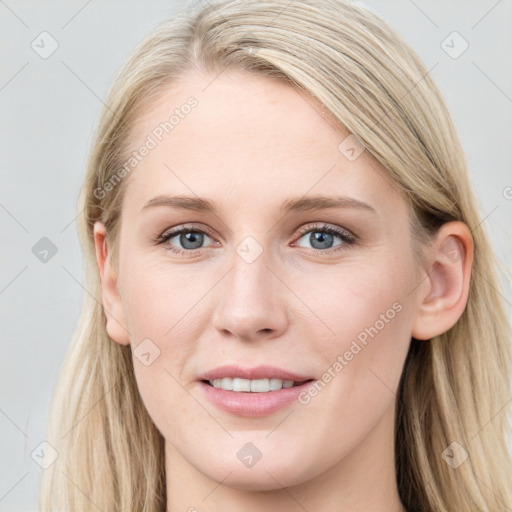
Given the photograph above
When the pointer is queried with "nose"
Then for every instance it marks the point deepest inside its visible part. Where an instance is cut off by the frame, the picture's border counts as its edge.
(252, 303)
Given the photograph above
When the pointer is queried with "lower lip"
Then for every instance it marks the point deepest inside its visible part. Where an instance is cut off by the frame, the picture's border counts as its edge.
(252, 405)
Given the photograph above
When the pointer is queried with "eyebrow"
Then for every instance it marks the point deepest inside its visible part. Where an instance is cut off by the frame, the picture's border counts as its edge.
(293, 204)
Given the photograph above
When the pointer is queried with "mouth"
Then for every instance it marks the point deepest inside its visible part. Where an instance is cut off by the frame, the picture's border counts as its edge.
(252, 392)
(239, 385)
(253, 398)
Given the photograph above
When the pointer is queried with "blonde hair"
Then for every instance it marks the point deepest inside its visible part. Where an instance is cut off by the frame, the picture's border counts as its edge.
(454, 388)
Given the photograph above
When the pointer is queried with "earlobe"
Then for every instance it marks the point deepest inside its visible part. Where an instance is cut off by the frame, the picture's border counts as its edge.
(444, 298)
(111, 299)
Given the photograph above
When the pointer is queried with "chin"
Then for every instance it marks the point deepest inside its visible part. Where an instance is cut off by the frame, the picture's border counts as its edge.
(245, 479)
(263, 476)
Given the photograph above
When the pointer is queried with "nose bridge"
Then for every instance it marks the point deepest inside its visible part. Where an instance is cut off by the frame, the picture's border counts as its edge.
(250, 278)
(251, 303)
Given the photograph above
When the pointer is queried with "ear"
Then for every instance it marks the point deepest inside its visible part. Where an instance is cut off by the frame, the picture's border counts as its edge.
(445, 294)
(112, 304)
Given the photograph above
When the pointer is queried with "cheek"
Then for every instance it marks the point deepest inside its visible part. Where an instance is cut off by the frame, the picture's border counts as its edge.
(362, 300)
(370, 316)
(159, 298)
(163, 312)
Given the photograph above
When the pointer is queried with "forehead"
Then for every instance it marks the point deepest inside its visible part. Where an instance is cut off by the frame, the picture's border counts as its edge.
(249, 138)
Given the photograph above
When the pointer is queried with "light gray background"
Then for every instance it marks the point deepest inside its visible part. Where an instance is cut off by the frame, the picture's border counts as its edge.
(48, 110)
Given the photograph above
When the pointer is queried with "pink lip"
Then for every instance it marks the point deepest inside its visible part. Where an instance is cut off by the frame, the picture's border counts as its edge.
(252, 405)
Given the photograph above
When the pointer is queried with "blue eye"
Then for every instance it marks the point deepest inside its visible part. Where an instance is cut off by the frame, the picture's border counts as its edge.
(321, 237)
(191, 239)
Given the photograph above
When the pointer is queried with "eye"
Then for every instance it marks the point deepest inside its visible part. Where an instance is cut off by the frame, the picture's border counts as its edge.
(321, 237)
(189, 237)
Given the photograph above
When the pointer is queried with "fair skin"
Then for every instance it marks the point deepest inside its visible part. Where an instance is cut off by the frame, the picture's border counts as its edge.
(249, 145)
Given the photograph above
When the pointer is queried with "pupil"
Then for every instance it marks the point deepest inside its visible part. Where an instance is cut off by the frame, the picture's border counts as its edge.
(194, 238)
(324, 239)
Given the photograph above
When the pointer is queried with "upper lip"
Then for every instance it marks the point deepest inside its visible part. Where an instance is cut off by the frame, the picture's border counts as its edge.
(254, 373)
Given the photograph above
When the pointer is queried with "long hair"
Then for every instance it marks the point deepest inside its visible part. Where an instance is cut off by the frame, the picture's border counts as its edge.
(455, 388)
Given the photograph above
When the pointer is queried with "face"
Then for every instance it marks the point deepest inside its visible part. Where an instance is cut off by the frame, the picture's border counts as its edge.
(274, 282)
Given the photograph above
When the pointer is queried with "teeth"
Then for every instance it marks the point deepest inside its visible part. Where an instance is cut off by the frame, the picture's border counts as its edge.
(254, 386)
(260, 386)
(241, 385)
(275, 384)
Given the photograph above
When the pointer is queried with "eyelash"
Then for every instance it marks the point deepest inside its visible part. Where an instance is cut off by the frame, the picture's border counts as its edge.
(347, 238)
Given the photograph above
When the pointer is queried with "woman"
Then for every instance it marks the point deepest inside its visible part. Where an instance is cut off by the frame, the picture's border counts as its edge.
(293, 305)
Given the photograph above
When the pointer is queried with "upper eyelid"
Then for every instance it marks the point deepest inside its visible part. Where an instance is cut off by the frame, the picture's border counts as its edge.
(320, 226)
(186, 227)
